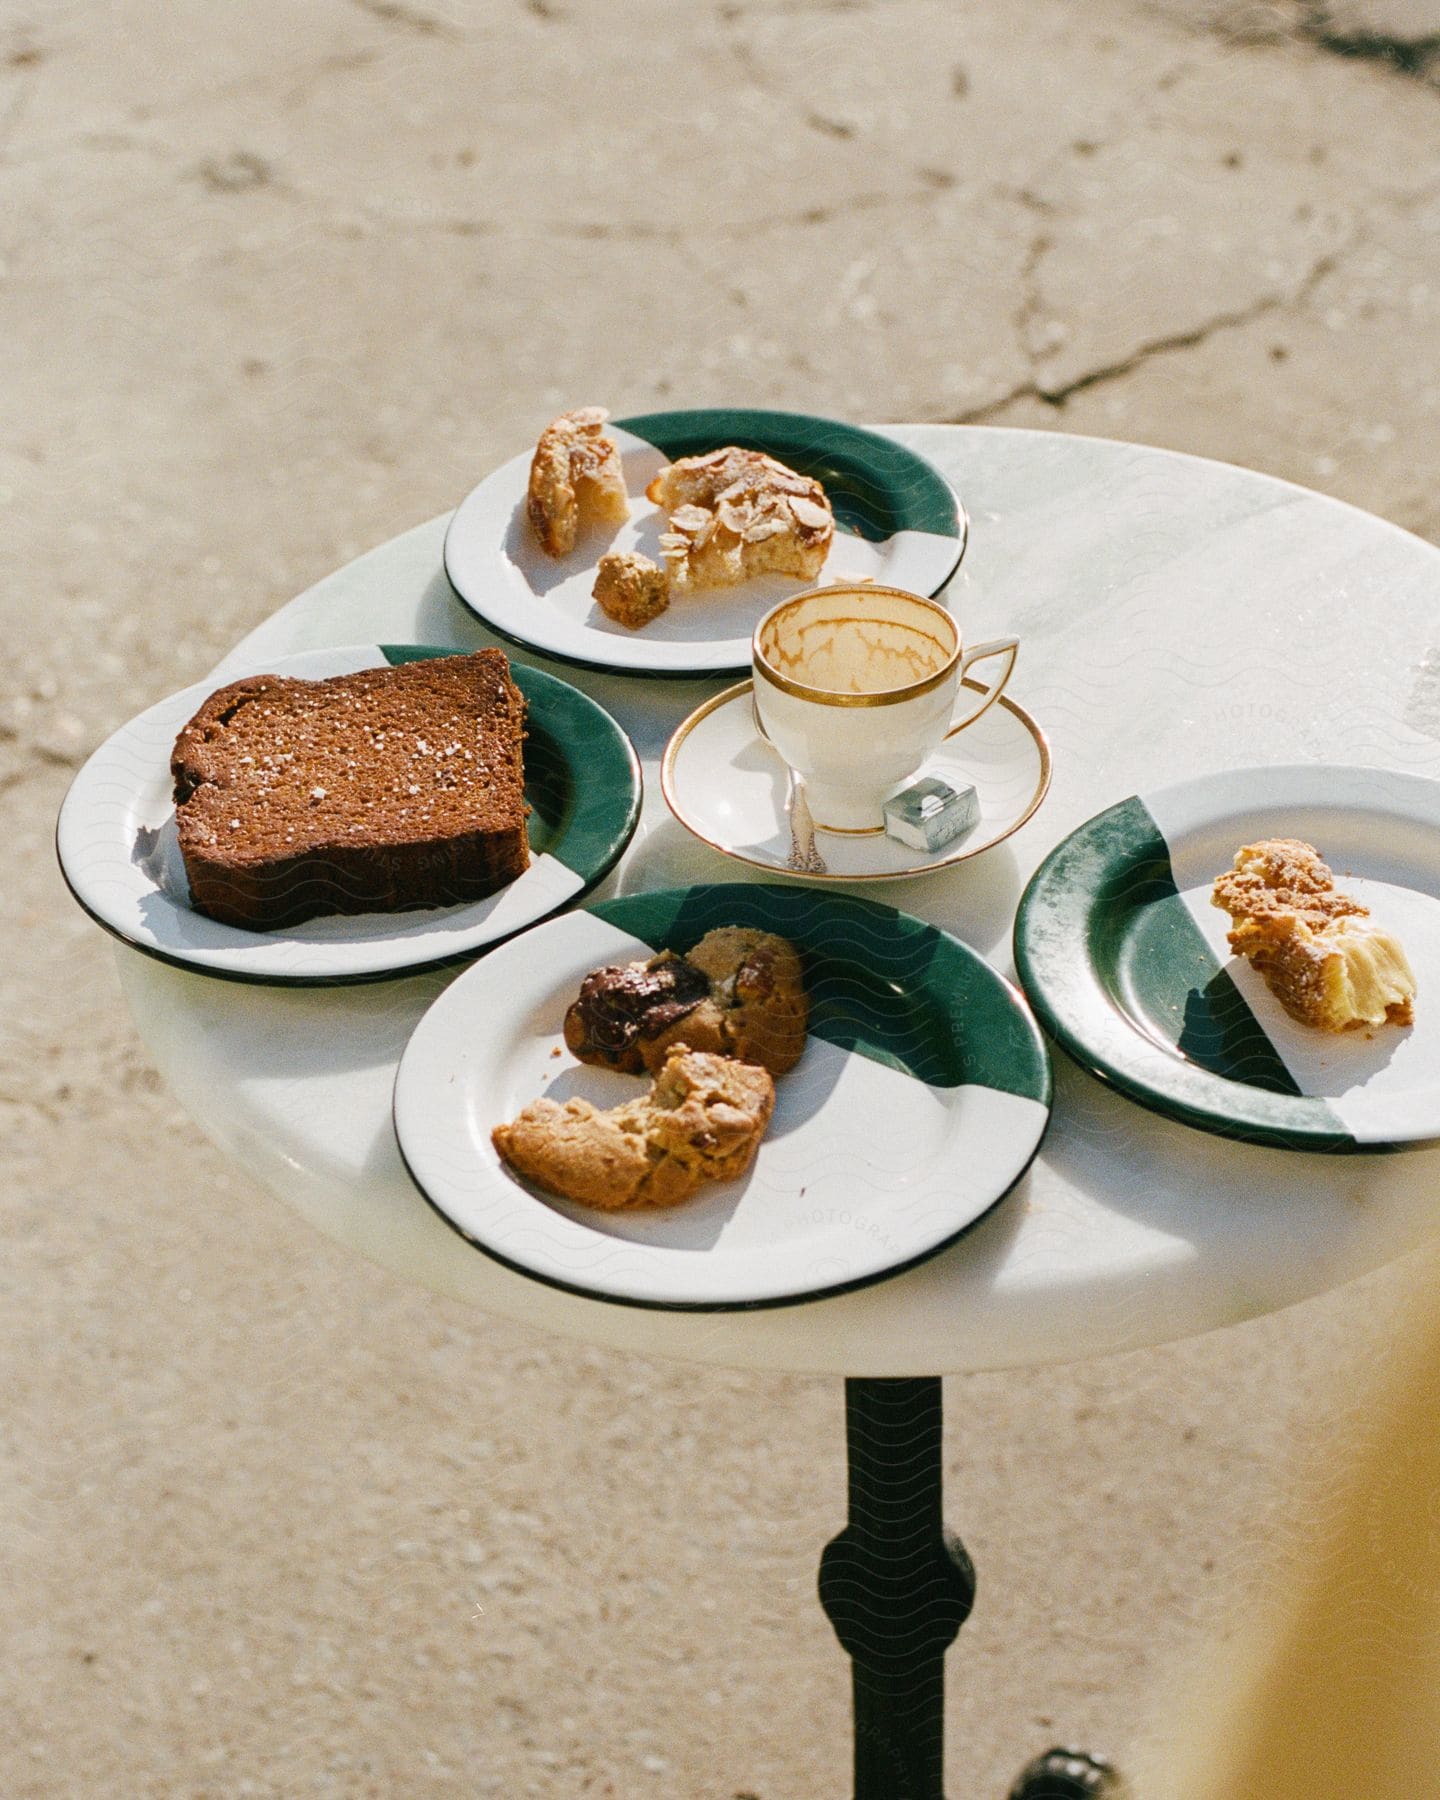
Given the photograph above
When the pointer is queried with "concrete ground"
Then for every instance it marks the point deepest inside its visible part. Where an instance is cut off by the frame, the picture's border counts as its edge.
(279, 280)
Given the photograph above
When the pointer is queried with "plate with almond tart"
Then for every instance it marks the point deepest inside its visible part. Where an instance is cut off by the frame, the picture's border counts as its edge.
(1254, 952)
(653, 544)
(722, 1096)
(341, 815)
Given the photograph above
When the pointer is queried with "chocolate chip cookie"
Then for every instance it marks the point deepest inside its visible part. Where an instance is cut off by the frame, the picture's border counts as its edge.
(701, 1120)
(739, 993)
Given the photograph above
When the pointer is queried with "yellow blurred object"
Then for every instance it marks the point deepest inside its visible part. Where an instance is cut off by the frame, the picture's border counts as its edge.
(1331, 1690)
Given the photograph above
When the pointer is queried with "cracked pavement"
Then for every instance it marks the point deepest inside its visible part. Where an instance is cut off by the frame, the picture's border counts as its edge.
(279, 281)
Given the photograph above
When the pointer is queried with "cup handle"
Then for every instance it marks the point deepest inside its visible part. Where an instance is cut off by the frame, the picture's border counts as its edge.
(1006, 647)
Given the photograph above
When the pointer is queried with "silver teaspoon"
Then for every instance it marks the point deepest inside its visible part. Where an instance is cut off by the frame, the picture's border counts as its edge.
(804, 857)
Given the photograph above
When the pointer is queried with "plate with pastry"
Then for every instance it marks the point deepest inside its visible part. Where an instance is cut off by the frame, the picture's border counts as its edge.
(341, 815)
(722, 1096)
(653, 544)
(1254, 952)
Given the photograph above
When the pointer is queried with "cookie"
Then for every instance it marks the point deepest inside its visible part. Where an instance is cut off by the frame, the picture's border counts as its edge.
(739, 993)
(701, 1120)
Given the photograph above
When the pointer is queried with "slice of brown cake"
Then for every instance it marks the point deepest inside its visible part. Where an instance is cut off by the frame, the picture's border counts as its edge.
(381, 791)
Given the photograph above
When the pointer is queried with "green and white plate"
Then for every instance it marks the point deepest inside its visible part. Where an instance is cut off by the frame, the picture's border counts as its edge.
(920, 1100)
(119, 853)
(1127, 965)
(897, 521)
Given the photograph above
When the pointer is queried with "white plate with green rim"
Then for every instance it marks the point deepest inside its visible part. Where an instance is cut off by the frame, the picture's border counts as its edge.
(897, 522)
(920, 1100)
(120, 856)
(1127, 966)
(727, 786)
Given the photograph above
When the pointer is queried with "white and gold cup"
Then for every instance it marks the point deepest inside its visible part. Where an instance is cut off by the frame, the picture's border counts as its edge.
(857, 686)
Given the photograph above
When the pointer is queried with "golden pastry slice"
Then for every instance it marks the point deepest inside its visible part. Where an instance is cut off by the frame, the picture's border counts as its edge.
(701, 1120)
(1323, 957)
(575, 479)
(736, 513)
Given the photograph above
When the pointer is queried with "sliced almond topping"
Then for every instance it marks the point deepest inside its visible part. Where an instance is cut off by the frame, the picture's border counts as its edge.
(736, 515)
(808, 513)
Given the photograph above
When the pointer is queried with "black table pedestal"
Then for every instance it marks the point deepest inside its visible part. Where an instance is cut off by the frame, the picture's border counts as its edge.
(897, 1587)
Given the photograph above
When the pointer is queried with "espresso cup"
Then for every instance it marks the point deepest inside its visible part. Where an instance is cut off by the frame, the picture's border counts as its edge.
(857, 686)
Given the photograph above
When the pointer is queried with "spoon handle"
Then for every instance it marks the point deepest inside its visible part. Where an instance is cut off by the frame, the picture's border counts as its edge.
(804, 857)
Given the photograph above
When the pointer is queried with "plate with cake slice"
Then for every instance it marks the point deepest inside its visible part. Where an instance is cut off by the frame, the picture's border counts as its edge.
(722, 1096)
(346, 814)
(653, 544)
(1254, 952)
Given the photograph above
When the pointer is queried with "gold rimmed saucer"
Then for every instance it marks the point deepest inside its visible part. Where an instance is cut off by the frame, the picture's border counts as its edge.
(728, 787)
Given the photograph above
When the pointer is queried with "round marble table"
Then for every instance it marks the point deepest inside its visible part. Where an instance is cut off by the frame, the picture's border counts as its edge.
(1175, 616)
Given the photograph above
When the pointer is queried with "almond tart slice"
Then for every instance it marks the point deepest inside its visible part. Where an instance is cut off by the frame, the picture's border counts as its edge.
(576, 479)
(1324, 959)
(736, 513)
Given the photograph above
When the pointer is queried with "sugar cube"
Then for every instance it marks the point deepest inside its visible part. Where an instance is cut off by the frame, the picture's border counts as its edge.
(930, 814)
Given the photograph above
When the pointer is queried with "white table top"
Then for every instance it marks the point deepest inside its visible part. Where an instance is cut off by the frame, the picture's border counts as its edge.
(1176, 616)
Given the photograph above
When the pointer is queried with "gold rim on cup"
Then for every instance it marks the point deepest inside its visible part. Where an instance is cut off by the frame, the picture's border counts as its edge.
(828, 696)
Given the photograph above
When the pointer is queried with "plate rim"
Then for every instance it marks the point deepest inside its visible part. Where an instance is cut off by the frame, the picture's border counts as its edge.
(714, 670)
(713, 704)
(392, 971)
(1014, 996)
(1306, 1135)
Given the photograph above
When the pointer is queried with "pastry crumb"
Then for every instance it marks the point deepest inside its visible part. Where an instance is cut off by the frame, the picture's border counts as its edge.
(630, 589)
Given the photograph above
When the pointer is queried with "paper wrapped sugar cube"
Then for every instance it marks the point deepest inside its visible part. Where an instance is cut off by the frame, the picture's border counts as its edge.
(930, 814)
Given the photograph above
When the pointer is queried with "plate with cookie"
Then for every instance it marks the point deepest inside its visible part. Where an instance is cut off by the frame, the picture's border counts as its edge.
(652, 545)
(342, 815)
(1254, 952)
(722, 1096)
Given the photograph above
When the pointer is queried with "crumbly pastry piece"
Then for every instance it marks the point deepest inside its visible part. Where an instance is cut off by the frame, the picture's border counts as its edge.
(1322, 956)
(739, 993)
(736, 513)
(378, 791)
(630, 589)
(701, 1120)
(575, 479)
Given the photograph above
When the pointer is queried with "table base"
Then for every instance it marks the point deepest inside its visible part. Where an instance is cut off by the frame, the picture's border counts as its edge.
(897, 1587)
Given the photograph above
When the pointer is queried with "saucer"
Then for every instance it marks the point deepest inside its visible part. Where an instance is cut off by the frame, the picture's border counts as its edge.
(725, 784)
